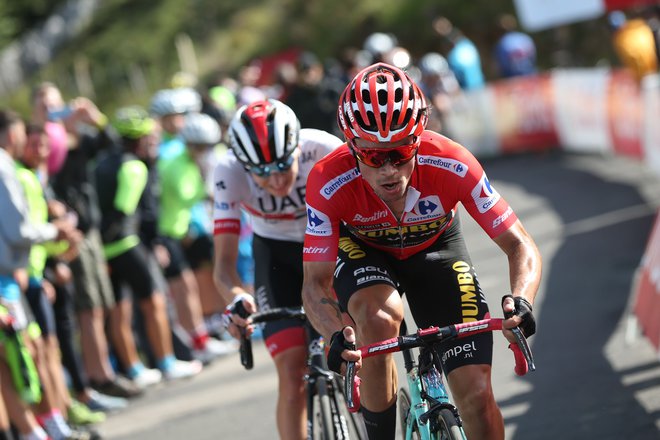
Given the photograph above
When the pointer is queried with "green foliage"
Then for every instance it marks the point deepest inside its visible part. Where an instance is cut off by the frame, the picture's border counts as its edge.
(17, 16)
(131, 45)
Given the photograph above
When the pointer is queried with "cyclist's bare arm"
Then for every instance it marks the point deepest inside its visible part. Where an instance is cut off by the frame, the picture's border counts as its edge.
(524, 267)
(226, 275)
(318, 297)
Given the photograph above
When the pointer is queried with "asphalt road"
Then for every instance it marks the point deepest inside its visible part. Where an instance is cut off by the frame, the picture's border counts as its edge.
(590, 216)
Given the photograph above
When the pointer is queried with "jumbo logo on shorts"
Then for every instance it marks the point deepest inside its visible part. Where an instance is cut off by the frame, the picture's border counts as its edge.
(317, 223)
(335, 184)
(484, 195)
(427, 208)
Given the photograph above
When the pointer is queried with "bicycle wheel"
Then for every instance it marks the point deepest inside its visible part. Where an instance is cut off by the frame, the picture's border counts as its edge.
(351, 426)
(448, 427)
(324, 429)
(403, 402)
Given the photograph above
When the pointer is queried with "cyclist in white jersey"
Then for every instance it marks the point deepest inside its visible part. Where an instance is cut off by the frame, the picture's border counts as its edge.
(265, 173)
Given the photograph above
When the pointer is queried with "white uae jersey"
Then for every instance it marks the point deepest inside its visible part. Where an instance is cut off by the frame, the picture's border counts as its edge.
(278, 218)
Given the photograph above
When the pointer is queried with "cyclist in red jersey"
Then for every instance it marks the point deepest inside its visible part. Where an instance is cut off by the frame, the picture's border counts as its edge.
(382, 221)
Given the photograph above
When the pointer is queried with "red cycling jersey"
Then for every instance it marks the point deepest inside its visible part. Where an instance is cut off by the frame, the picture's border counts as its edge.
(445, 173)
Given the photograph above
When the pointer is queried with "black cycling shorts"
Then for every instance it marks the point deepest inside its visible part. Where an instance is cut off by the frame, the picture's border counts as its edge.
(199, 251)
(138, 270)
(178, 260)
(41, 308)
(440, 284)
(278, 277)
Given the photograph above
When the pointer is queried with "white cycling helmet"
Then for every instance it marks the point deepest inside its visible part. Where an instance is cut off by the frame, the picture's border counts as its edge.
(175, 101)
(200, 128)
(433, 64)
(264, 132)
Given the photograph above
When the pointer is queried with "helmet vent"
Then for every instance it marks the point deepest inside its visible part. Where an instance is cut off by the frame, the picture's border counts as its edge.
(382, 97)
(366, 97)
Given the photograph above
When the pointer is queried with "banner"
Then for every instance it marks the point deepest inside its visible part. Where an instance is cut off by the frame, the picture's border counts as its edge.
(524, 116)
(647, 303)
(625, 114)
(538, 15)
(581, 109)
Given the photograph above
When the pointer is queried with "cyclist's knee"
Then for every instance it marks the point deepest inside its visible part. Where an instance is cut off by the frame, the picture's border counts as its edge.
(377, 311)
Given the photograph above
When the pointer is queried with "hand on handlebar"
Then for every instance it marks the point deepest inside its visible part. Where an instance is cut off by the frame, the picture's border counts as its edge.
(342, 349)
(236, 316)
(518, 313)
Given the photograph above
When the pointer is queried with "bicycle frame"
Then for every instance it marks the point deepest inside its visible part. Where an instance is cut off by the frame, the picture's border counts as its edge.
(320, 382)
(427, 395)
(432, 390)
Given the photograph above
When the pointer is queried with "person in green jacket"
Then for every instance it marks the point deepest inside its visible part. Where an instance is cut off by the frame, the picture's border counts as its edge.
(121, 181)
(184, 190)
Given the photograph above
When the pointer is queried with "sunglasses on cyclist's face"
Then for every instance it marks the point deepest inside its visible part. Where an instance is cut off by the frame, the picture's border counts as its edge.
(268, 169)
(377, 157)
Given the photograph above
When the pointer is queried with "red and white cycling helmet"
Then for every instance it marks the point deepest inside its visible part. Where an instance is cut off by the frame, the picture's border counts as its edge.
(382, 104)
(263, 135)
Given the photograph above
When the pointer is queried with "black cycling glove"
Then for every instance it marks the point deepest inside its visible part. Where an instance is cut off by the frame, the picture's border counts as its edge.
(338, 344)
(523, 309)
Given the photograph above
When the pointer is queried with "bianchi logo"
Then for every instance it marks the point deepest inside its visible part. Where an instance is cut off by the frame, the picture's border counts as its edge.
(372, 218)
(456, 167)
(333, 186)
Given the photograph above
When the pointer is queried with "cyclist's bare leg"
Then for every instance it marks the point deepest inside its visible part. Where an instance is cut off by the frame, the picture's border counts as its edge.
(291, 403)
(473, 394)
(377, 311)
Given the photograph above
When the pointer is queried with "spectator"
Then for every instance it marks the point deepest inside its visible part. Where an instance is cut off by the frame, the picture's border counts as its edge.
(379, 45)
(314, 97)
(41, 294)
(441, 88)
(121, 178)
(18, 234)
(634, 44)
(184, 191)
(463, 56)
(73, 185)
(170, 106)
(515, 52)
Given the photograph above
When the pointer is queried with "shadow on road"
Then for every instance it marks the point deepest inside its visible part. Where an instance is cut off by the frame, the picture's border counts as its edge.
(577, 393)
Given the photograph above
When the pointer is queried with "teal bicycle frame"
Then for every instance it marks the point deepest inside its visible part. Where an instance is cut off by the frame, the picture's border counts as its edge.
(428, 396)
(430, 406)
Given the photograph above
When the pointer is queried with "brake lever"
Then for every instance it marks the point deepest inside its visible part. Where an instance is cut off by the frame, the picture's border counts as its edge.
(524, 347)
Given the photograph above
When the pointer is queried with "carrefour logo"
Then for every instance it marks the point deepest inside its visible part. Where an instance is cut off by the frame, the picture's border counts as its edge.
(456, 167)
(317, 223)
(484, 195)
(330, 188)
(427, 208)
